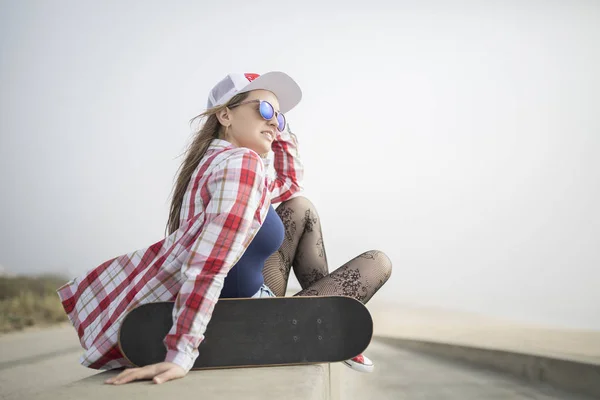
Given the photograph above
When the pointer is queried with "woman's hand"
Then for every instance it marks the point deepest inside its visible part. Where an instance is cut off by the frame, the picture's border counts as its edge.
(159, 373)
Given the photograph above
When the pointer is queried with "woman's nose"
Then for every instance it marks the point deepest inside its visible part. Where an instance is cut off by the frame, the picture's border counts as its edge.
(273, 121)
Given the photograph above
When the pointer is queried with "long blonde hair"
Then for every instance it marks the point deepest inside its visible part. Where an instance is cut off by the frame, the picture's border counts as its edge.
(210, 130)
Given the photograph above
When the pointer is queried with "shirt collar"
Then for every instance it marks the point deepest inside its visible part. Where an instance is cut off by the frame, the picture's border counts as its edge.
(221, 144)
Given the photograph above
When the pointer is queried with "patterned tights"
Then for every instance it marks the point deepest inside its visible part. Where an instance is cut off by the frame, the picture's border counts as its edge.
(304, 251)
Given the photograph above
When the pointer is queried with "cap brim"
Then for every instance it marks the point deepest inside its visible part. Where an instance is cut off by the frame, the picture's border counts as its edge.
(282, 85)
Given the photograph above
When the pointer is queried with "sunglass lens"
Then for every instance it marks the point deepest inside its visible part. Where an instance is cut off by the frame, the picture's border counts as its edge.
(280, 122)
(266, 110)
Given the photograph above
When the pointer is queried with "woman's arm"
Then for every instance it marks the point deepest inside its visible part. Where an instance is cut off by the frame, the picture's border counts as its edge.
(288, 167)
(232, 217)
(238, 203)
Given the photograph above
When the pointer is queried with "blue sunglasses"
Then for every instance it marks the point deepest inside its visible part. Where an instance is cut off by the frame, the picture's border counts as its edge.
(267, 111)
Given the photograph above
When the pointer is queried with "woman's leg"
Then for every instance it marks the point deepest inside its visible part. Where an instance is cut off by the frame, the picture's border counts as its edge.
(359, 278)
(303, 250)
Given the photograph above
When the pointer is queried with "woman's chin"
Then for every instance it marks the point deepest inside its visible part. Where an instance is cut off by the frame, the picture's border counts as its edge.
(263, 150)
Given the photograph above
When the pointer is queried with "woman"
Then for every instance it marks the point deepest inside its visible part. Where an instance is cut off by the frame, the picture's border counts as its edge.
(224, 237)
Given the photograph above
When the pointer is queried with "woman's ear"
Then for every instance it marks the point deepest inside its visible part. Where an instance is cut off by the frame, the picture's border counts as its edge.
(224, 117)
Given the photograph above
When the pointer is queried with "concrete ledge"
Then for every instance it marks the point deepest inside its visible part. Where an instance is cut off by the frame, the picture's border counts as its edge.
(306, 382)
(571, 375)
(43, 364)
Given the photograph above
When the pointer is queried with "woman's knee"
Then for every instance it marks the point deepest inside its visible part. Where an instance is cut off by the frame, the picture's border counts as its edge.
(298, 203)
(298, 215)
(299, 209)
(381, 261)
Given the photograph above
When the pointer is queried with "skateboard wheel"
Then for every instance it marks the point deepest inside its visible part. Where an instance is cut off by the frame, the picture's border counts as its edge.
(318, 320)
(294, 322)
(295, 338)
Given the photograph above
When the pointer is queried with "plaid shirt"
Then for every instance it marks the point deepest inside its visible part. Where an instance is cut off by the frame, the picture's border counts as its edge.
(225, 204)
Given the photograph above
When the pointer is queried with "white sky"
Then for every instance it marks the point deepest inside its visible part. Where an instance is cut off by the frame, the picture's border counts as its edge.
(461, 138)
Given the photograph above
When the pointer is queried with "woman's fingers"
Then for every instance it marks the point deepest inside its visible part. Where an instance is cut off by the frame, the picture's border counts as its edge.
(175, 372)
(126, 376)
(160, 373)
(132, 374)
(120, 376)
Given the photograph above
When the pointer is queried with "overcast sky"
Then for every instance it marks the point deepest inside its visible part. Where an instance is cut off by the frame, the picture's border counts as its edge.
(461, 138)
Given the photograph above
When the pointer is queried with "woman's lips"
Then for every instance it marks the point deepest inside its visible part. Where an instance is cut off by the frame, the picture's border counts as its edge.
(269, 134)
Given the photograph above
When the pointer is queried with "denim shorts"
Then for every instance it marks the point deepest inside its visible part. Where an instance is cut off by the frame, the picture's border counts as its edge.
(264, 291)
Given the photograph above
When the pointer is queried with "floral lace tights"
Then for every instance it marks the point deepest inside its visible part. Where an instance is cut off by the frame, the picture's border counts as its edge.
(303, 250)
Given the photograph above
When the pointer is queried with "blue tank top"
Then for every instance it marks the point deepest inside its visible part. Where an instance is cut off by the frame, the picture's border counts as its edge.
(246, 277)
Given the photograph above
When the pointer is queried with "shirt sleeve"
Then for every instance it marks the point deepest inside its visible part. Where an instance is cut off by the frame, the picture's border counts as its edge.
(288, 166)
(238, 203)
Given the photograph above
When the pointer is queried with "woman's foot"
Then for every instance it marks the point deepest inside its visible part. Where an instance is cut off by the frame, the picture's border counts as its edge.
(360, 363)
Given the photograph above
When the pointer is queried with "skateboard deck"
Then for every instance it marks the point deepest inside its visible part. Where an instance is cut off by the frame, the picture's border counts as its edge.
(257, 332)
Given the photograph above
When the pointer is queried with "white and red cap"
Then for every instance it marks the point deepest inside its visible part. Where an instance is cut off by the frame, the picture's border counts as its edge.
(282, 85)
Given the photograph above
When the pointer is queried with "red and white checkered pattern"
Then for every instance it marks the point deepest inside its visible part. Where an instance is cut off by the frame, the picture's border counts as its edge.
(225, 204)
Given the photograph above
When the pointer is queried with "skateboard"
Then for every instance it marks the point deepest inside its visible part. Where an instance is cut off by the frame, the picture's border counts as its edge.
(255, 332)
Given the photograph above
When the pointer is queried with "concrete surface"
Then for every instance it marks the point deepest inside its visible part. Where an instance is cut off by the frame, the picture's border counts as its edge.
(18, 347)
(564, 358)
(574, 376)
(295, 382)
(43, 364)
(469, 329)
(399, 374)
(37, 360)
(406, 375)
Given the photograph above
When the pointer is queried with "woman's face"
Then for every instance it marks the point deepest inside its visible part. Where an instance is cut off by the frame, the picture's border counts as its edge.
(246, 126)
